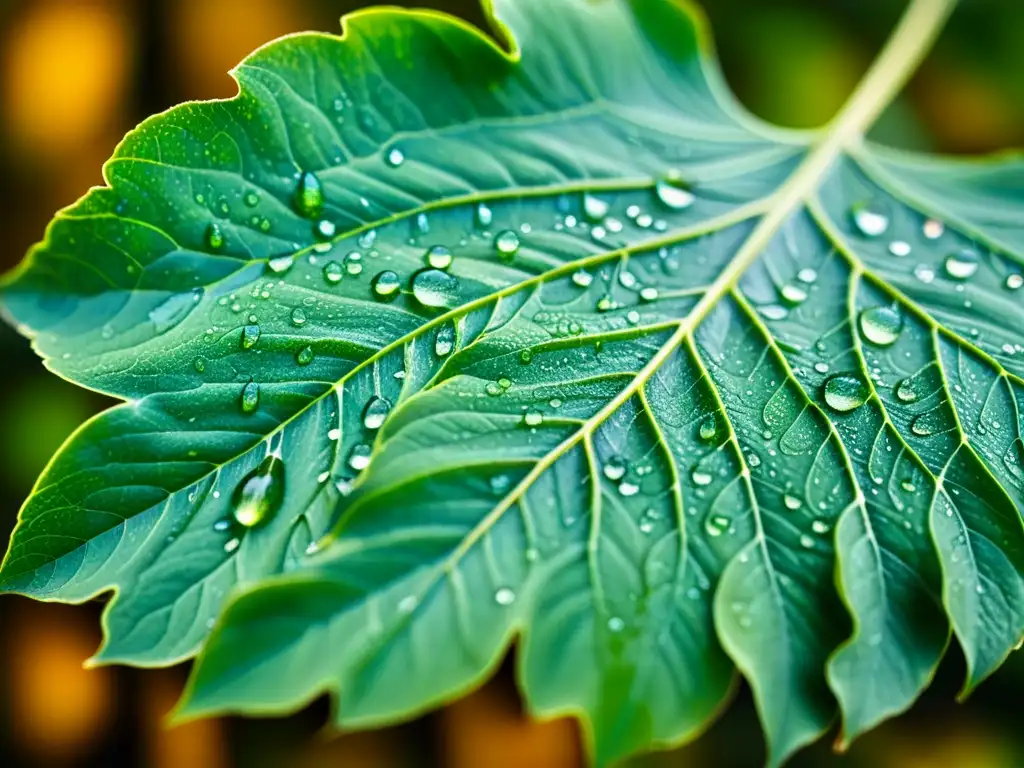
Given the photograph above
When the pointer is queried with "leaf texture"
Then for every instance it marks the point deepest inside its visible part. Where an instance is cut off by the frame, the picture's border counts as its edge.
(427, 347)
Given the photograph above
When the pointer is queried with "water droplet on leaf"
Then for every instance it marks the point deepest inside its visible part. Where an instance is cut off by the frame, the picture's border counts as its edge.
(260, 493)
(881, 325)
(844, 393)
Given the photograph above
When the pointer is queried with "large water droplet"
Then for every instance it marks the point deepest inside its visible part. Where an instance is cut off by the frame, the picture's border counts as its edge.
(260, 493)
(298, 316)
(845, 393)
(281, 264)
(871, 218)
(674, 193)
(962, 264)
(250, 335)
(1014, 281)
(434, 288)
(793, 294)
(376, 412)
(250, 397)
(214, 237)
(309, 195)
(881, 325)
(906, 390)
(439, 257)
(386, 285)
(924, 424)
(507, 244)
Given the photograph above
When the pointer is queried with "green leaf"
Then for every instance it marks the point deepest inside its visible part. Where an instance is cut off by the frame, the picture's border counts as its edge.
(427, 347)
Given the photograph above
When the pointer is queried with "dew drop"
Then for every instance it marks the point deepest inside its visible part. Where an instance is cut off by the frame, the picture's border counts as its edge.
(1014, 281)
(376, 412)
(484, 215)
(806, 541)
(309, 195)
(615, 468)
(396, 157)
(434, 288)
(582, 278)
(899, 248)
(844, 393)
(507, 244)
(533, 418)
(819, 527)
(333, 272)
(231, 545)
(214, 237)
(649, 293)
(439, 257)
(250, 397)
(701, 478)
(716, 525)
(504, 596)
(627, 488)
(305, 356)
(199, 364)
(708, 430)
(793, 294)
(260, 493)
(250, 335)
(500, 484)
(932, 229)
(923, 425)
(444, 341)
(298, 317)
(881, 325)
(871, 218)
(962, 264)
(792, 502)
(594, 208)
(908, 486)
(615, 624)
(526, 356)
(359, 457)
(673, 192)
(924, 273)
(222, 525)
(386, 285)
(281, 264)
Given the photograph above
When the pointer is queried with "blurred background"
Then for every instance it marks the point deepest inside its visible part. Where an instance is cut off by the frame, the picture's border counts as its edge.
(75, 75)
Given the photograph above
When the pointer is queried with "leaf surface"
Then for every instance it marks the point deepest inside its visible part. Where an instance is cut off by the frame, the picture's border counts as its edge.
(426, 346)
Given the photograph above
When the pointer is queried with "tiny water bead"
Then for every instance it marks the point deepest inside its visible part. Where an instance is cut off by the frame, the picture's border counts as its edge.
(871, 218)
(325, 230)
(628, 488)
(199, 364)
(932, 229)
(881, 325)
(1014, 281)
(504, 596)
(845, 393)
(395, 157)
(962, 264)
(507, 244)
(807, 275)
(214, 237)
(376, 413)
(434, 288)
(359, 457)
(250, 336)
(305, 356)
(260, 493)
(649, 294)
(924, 273)
(333, 272)
(252, 199)
(439, 257)
(791, 502)
(616, 624)
(594, 208)
(386, 285)
(444, 342)
(250, 397)
(674, 192)
(309, 195)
